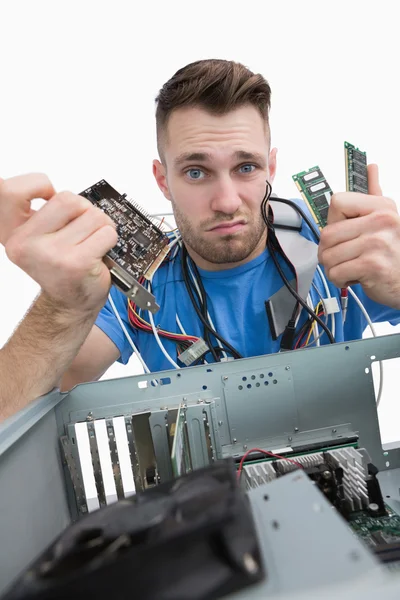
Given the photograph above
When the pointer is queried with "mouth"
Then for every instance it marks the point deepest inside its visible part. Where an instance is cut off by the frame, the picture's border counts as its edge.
(228, 228)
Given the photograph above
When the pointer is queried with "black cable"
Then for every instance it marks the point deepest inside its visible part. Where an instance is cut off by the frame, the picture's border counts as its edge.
(203, 307)
(199, 312)
(302, 214)
(296, 295)
(206, 334)
(202, 314)
(200, 305)
(192, 291)
(275, 247)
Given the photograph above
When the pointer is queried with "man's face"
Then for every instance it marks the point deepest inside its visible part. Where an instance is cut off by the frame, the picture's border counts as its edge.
(214, 173)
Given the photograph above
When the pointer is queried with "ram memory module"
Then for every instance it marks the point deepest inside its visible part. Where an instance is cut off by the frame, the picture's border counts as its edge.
(356, 169)
(316, 192)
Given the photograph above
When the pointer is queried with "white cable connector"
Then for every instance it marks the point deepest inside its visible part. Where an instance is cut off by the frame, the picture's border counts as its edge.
(331, 305)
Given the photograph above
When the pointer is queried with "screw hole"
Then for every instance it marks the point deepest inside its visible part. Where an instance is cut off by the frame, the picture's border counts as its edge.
(204, 387)
(387, 496)
(240, 387)
(266, 497)
(249, 386)
(354, 555)
(261, 375)
(270, 374)
(244, 378)
(265, 382)
(275, 381)
(275, 524)
(258, 384)
(347, 348)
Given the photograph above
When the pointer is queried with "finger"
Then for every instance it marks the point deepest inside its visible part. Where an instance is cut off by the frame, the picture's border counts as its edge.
(347, 273)
(374, 189)
(25, 188)
(349, 205)
(343, 231)
(83, 226)
(56, 214)
(379, 221)
(100, 242)
(342, 253)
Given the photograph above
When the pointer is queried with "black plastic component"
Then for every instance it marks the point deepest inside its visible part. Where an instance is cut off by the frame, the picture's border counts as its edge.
(271, 321)
(330, 481)
(374, 491)
(388, 553)
(360, 157)
(288, 336)
(192, 538)
(151, 475)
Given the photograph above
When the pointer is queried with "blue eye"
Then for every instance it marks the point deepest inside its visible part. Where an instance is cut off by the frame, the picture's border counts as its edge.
(195, 173)
(247, 168)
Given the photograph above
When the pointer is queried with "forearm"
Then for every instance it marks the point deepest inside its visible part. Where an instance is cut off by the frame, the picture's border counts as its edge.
(39, 352)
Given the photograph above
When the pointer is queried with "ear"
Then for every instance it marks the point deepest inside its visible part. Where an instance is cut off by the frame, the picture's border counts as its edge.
(160, 174)
(272, 164)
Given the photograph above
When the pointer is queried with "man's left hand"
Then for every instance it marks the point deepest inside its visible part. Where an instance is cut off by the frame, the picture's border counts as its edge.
(361, 242)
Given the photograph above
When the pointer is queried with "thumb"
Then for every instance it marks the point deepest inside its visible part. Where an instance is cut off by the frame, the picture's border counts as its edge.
(374, 189)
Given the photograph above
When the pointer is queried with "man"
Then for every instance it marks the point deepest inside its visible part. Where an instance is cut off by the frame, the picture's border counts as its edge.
(215, 157)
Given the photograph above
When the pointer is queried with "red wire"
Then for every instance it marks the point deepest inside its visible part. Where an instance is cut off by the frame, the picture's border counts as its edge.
(246, 454)
(139, 325)
(321, 312)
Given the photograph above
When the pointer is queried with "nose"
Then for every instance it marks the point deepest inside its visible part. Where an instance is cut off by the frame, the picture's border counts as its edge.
(225, 196)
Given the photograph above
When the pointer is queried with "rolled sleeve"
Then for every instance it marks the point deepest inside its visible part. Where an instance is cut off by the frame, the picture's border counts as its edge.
(108, 322)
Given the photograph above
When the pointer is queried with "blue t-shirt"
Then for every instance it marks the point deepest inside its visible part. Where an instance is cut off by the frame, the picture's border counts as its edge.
(236, 304)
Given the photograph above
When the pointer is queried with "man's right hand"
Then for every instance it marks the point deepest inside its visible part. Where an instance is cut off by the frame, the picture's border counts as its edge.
(60, 246)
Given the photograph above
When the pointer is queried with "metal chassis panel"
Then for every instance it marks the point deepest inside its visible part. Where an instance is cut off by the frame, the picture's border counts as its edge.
(321, 395)
(330, 395)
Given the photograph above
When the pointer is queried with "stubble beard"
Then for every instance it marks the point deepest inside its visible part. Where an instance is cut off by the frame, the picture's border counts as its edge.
(223, 249)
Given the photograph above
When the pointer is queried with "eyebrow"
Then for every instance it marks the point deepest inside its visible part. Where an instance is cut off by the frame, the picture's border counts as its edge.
(206, 157)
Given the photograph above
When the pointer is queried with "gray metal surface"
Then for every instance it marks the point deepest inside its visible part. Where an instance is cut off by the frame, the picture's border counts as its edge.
(321, 395)
(16, 426)
(33, 505)
(306, 546)
(390, 485)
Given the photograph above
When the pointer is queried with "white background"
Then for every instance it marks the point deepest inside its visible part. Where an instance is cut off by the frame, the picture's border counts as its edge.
(78, 82)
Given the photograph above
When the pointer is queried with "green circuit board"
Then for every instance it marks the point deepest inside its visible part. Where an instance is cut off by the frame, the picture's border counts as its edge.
(356, 169)
(316, 193)
(376, 531)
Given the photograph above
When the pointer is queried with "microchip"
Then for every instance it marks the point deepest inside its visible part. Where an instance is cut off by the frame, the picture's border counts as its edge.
(324, 213)
(141, 239)
(316, 192)
(356, 169)
(320, 201)
(141, 247)
(360, 157)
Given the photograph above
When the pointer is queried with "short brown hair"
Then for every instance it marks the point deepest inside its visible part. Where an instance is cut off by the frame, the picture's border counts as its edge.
(218, 86)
